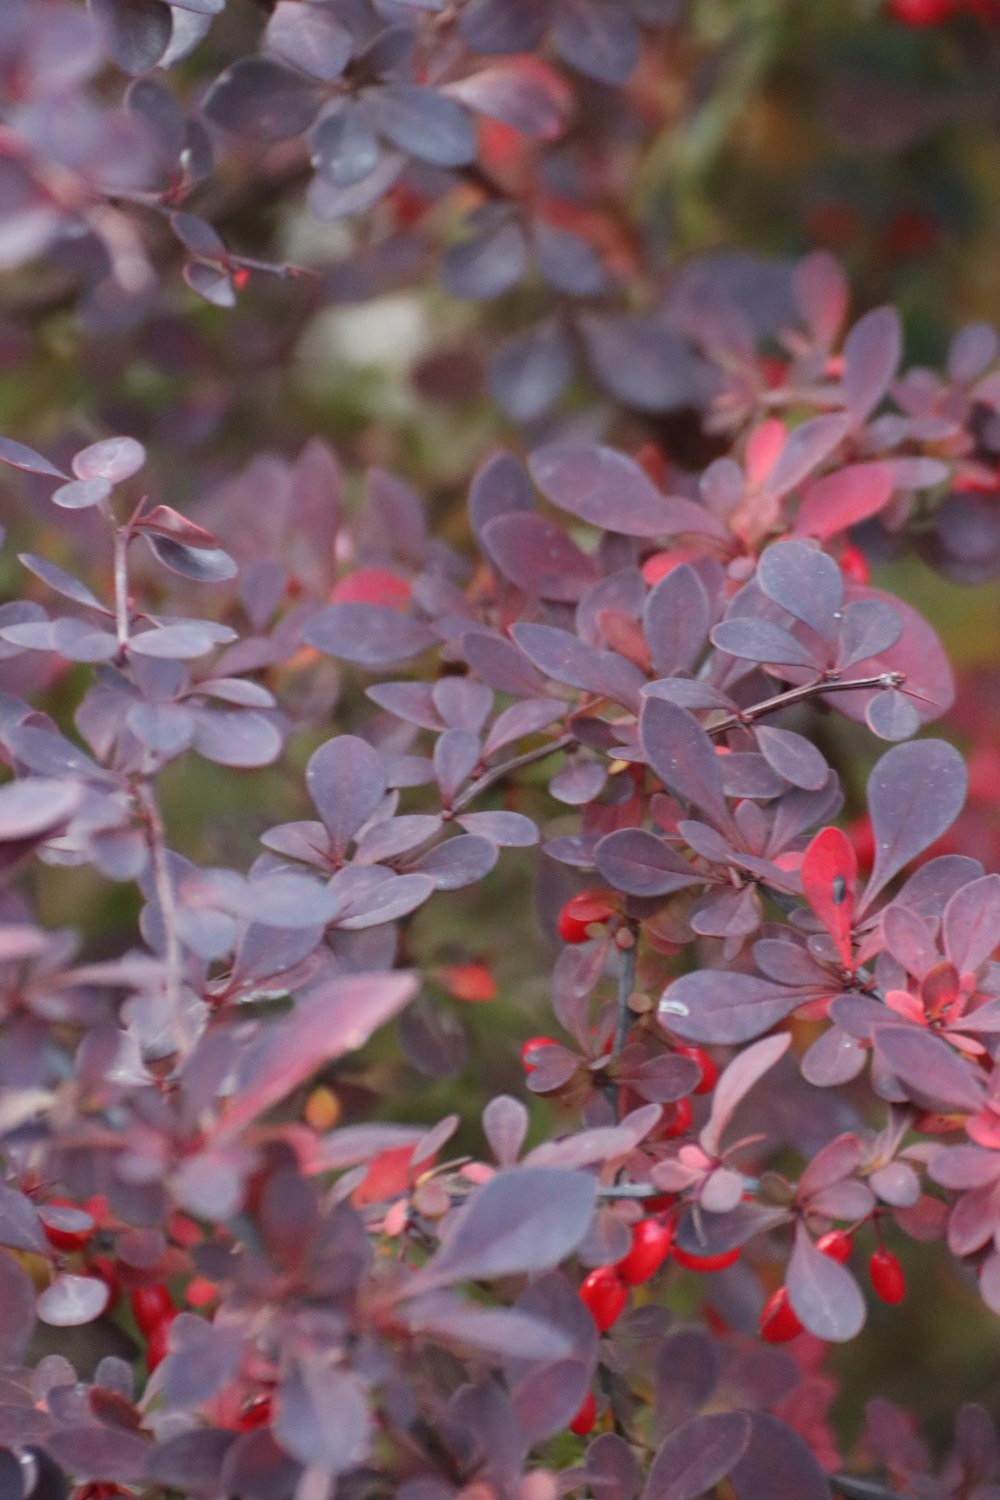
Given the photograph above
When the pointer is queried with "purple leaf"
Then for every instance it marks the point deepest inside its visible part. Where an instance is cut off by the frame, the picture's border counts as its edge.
(100, 1453)
(832, 1163)
(933, 1076)
(262, 100)
(69, 1301)
(872, 352)
(456, 755)
(35, 806)
(425, 123)
(524, 1220)
(806, 583)
(869, 627)
(762, 640)
(676, 620)
(310, 38)
(499, 486)
(509, 829)
(685, 1375)
(821, 294)
(346, 782)
(971, 923)
(539, 557)
(113, 459)
(684, 758)
(610, 490)
(714, 1006)
(640, 864)
(17, 1309)
(644, 364)
(364, 903)
(491, 261)
(181, 642)
(322, 1416)
(57, 578)
(914, 793)
(237, 738)
(338, 1017)
(505, 1125)
(499, 662)
(22, 457)
(529, 372)
(506, 1331)
(191, 1462)
(695, 1457)
(457, 862)
(823, 1293)
(20, 1227)
(736, 1082)
(530, 102)
(204, 564)
(135, 33)
(81, 494)
(777, 1463)
(793, 757)
(368, 634)
(565, 658)
(598, 41)
(892, 716)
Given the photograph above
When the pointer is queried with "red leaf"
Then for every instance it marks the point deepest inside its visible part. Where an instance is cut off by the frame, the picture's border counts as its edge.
(829, 872)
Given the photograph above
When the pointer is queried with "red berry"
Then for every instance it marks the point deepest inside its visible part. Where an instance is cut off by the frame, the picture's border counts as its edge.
(257, 1413)
(854, 564)
(678, 1123)
(707, 1262)
(579, 913)
(709, 1072)
(836, 1244)
(921, 12)
(585, 1418)
(66, 1226)
(604, 1295)
(158, 1344)
(778, 1321)
(104, 1267)
(151, 1307)
(532, 1045)
(888, 1281)
(651, 1241)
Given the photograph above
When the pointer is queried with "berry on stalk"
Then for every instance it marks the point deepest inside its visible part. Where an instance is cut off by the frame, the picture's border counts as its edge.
(585, 1418)
(887, 1278)
(778, 1319)
(604, 1295)
(651, 1242)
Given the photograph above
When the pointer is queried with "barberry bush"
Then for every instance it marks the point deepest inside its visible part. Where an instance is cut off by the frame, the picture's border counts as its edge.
(499, 981)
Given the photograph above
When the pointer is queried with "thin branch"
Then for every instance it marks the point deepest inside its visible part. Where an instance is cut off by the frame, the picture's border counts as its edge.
(121, 541)
(626, 985)
(497, 773)
(167, 900)
(745, 716)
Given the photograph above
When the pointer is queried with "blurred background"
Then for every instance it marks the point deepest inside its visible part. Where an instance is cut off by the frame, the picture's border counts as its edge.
(750, 133)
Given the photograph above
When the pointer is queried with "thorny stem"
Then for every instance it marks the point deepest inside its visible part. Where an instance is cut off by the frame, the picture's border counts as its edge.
(497, 773)
(626, 984)
(121, 541)
(746, 716)
(167, 901)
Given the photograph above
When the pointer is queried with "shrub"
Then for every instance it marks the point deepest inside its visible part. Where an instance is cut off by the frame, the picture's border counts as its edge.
(233, 1261)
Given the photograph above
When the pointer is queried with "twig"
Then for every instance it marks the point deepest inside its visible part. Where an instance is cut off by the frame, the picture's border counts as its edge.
(626, 985)
(745, 716)
(167, 901)
(497, 773)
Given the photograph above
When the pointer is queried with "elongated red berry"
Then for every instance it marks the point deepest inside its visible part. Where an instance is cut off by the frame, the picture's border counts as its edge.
(158, 1344)
(778, 1320)
(677, 1119)
(921, 12)
(257, 1413)
(836, 1244)
(707, 1262)
(580, 913)
(532, 1045)
(151, 1306)
(604, 1295)
(651, 1241)
(709, 1071)
(585, 1418)
(888, 1281)
(854, 565)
